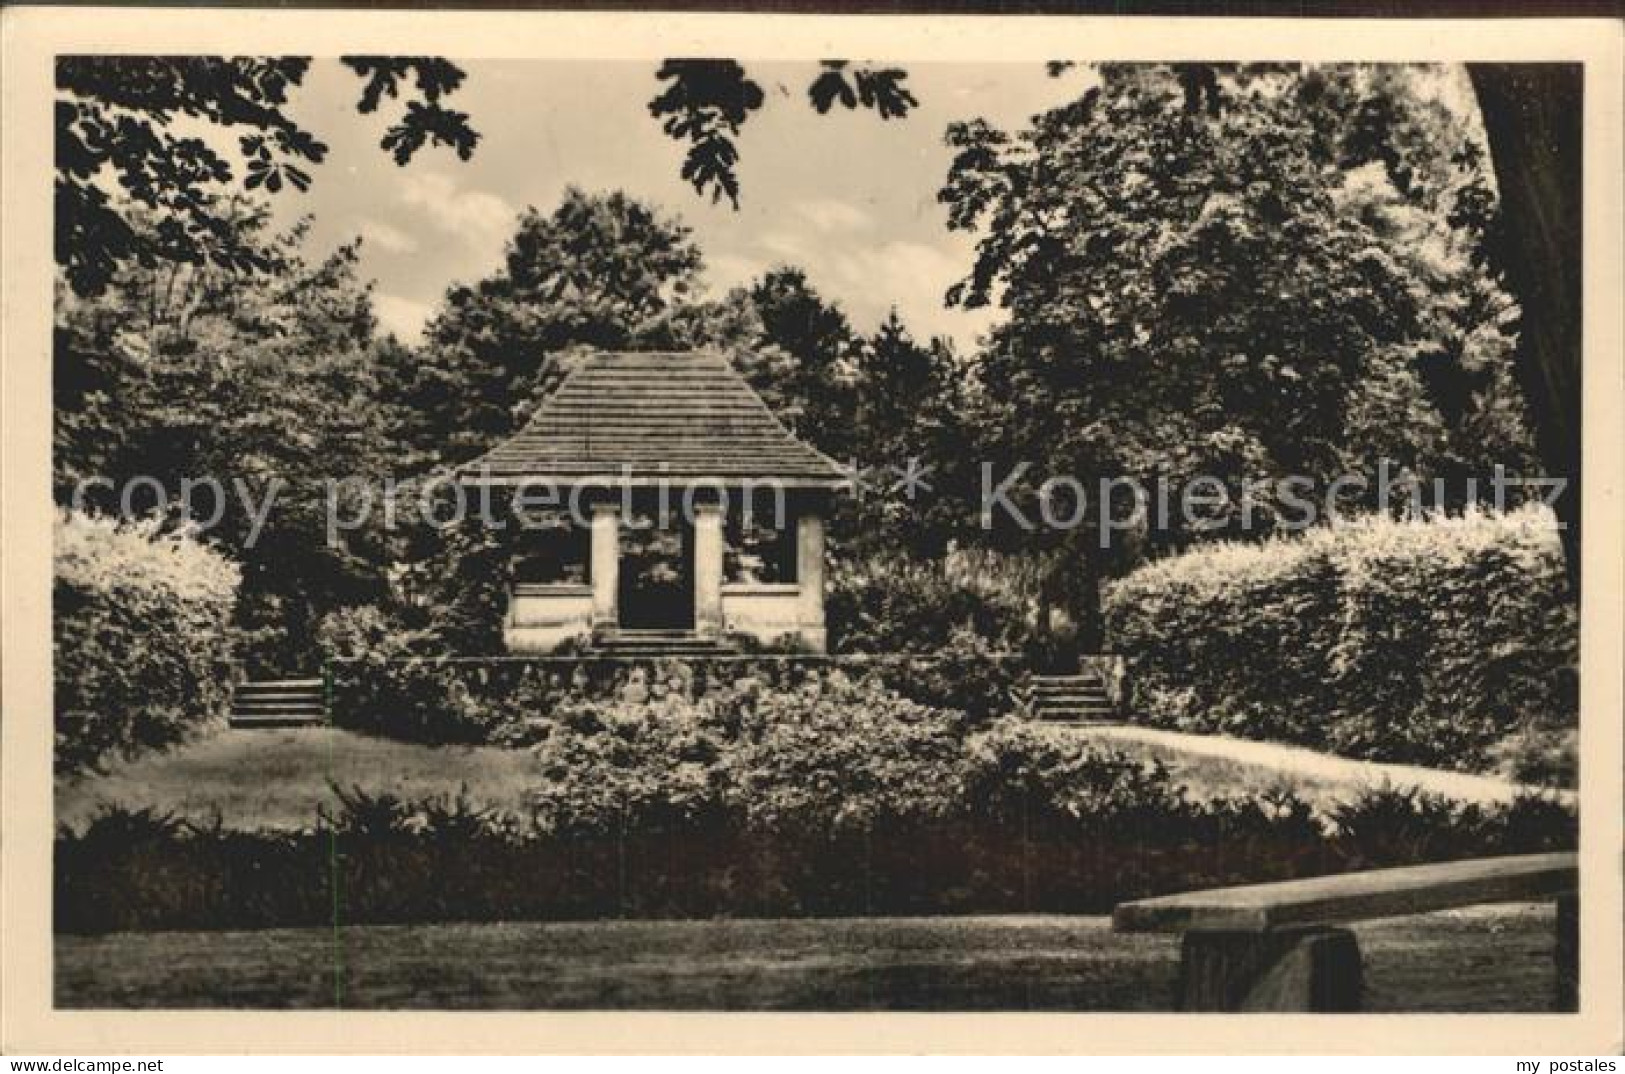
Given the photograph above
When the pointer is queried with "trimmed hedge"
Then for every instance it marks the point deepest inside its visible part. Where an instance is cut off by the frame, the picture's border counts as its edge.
(1431, 642)
(142, 624)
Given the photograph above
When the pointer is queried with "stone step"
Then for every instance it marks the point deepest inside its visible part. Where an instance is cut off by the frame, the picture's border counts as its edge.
(694, 643)
(673, 650)
(274, 703)
(658, 643)
(651, 643)
(1082, 723)
(270, 723)
(279, 699)
(1062, 706)
(647, 632)
(654, 653)
(307, 697)
(1048, 710)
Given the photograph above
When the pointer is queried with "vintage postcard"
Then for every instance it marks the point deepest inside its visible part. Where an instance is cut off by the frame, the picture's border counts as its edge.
(540, 532)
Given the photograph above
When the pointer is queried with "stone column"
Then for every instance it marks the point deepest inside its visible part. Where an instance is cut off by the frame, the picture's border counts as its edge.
(708, 569)
(606, 564)
(810, 578)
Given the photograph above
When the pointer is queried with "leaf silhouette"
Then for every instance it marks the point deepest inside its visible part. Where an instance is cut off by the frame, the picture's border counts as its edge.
(705, 104)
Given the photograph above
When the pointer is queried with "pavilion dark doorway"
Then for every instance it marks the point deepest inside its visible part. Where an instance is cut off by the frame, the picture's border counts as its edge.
(656, 583)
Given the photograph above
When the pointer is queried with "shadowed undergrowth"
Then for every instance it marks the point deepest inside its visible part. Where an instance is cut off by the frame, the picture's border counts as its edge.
(379, 859)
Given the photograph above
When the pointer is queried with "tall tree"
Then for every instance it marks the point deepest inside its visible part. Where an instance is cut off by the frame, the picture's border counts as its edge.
(909, 434)
(1534, 119)
(1202, 280)
(801, 358)
(599, 271)
(261, 382)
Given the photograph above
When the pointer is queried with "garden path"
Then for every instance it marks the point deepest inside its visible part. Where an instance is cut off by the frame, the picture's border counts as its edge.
(1294, 763)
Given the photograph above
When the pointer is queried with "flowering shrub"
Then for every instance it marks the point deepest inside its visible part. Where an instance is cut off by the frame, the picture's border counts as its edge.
(827, 755)
(899, 605)
(839, 756)
(629, 765)
(142, 624)
(362, 632)
(965, 673)
(1424, 642)
(1018, 770)
(1541, 752)
(387, 688)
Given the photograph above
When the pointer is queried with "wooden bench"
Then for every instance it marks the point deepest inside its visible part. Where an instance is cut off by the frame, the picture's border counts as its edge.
(1276, 947)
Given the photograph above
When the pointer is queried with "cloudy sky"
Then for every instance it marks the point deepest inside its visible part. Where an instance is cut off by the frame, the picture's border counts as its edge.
(848, 197)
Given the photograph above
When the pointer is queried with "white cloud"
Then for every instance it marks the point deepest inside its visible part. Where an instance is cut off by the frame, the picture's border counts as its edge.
(386, 237)
(913, 276)
(787, 246)
(724, 272)
(477, 215)
(868, 279)
(403, 316)
(832, 214)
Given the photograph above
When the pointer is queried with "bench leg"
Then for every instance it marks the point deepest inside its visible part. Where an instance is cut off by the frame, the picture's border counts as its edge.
(1298, 969)
(1568, 953)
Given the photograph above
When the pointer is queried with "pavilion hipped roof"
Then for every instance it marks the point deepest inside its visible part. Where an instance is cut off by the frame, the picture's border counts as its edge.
(681, 417)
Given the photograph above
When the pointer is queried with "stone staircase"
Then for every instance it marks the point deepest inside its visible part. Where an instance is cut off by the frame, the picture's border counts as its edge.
(1078, 700)
(273, 703)
(654, 644)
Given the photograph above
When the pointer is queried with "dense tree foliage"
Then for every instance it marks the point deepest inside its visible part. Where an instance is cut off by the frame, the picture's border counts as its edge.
(705, 103)
(909, 434)
(1259, 278)
(606, 271)
(259, 381)
(130, 123)
(1240, 271)
(801, 359)
(599, 271)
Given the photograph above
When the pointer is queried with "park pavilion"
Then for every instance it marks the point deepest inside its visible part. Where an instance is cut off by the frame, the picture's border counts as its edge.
(691, 517)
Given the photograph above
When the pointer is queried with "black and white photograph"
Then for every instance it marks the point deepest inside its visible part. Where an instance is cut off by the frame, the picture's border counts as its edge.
(719, 532)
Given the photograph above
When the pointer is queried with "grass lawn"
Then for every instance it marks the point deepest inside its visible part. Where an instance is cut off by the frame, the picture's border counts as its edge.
(1496, 958)
(1481, 959)
(277, 779)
